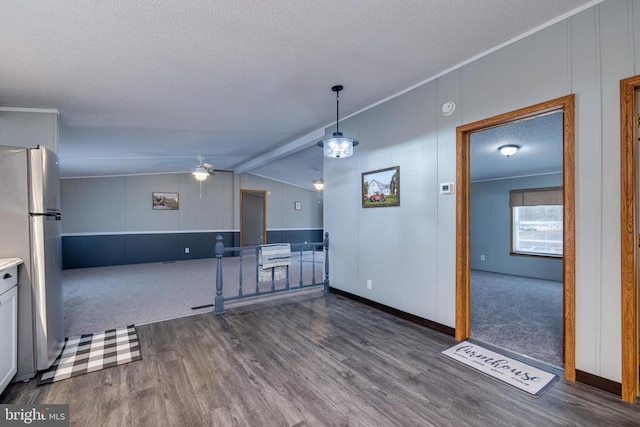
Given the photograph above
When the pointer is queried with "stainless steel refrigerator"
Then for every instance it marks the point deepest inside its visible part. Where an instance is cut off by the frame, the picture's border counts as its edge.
(30, 228)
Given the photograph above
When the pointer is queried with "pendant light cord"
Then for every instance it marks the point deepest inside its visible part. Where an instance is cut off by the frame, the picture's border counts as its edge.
(338, 111)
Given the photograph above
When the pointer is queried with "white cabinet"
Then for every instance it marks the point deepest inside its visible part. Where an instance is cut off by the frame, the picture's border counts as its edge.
(8, 325)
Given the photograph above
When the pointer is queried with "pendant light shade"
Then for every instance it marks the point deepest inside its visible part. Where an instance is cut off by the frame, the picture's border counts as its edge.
(338, 146)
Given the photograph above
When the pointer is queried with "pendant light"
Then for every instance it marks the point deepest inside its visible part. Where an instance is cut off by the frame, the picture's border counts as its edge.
(338, 146)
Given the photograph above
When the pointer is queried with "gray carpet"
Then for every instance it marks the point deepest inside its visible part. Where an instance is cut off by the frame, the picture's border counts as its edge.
(517, 313)
(101, 298)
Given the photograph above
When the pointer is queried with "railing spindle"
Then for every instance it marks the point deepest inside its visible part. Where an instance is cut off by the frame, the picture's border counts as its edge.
(300, 282)
(219, 254)
(240, 278)
(219, 303)
(326, 262)
(257, 271)
(273, 279)
(313, 265)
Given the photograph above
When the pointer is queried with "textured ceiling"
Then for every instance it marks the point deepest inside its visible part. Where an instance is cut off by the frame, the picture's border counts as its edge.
(146, 86)
(540, 139)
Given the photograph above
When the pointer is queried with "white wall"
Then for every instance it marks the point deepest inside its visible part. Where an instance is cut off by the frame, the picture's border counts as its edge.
(409, 251)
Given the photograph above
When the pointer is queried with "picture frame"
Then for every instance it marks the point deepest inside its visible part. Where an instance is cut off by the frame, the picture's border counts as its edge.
(297, 205)
(165, 201)
(381, 188)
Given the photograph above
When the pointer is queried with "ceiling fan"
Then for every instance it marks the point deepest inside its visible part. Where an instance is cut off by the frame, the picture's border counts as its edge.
(203, 170)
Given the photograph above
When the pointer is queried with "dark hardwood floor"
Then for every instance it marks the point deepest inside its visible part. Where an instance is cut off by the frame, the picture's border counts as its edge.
(311, 360)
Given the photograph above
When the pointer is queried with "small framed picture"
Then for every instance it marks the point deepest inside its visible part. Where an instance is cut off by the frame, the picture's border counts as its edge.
(297, 205)
(381, 188)
(165, 201)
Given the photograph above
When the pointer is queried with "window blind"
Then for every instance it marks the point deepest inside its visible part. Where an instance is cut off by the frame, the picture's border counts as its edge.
(536, 197)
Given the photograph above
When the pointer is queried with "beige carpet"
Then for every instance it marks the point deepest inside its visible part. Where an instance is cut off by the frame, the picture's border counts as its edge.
(101, 298)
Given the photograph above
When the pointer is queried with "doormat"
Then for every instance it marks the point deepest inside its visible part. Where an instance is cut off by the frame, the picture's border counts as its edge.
(92, 352)
(513, 372)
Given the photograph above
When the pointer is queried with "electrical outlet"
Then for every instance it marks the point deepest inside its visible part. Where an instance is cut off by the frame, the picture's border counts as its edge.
(482, 258)
(186, 250)
(369, 285)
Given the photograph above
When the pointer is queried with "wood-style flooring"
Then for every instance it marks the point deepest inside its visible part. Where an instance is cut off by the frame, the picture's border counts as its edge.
(315, 359)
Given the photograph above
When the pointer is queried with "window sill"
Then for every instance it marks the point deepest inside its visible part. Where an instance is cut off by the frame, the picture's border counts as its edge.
(525, 254)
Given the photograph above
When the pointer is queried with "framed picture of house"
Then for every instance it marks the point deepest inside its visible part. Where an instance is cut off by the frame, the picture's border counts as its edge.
(381, 188)
(165, 201)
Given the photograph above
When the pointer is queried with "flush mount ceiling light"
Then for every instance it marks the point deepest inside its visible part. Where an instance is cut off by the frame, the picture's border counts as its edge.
(318, 184)
(337, 145)
(509, 149)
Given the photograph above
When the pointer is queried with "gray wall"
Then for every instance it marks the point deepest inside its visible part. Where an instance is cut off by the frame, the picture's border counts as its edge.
(123, 204)
(490, 218)
(23, 127)
(110, 220)
(409, 251)
(281, 197)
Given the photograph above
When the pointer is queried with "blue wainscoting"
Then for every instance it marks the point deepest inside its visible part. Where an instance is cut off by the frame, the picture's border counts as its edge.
(119, 249)
(294, 236)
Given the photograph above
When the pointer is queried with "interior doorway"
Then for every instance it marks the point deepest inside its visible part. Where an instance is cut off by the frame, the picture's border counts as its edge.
(516, 240)
(463, 246)
(253, 217)
(630, 237)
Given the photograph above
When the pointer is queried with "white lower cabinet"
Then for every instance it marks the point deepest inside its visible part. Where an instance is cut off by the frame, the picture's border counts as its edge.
(8, 336)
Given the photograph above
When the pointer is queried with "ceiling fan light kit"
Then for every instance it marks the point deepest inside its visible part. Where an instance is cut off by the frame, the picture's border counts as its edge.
(338, 146)
(318, 184)
(203, 170)
(200, 174)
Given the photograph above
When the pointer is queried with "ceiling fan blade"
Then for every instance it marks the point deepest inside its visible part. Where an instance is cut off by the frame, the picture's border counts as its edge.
(207, 166)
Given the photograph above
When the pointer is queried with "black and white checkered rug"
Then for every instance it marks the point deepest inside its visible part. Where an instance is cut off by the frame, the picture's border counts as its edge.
(92, 352)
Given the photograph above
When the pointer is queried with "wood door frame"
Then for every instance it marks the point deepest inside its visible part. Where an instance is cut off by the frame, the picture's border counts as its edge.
(463, 265)
(264, 212)
(629, 238)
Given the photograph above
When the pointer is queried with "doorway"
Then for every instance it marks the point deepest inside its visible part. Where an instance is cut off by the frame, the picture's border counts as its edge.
(463, 246)
(630, 238)
(516, 241)
(253, 217)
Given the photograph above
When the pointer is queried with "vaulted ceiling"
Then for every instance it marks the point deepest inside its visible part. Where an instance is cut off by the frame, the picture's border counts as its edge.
(146, 86)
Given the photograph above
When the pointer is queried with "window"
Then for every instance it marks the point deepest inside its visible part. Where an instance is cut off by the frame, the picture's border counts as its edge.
(537, 222)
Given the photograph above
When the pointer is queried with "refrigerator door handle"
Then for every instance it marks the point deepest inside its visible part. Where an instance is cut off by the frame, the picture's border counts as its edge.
(56, 215)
